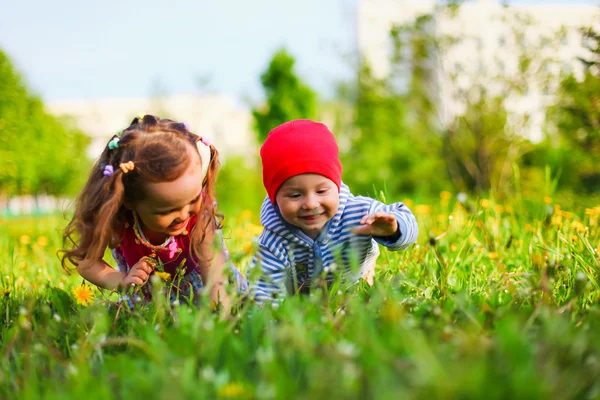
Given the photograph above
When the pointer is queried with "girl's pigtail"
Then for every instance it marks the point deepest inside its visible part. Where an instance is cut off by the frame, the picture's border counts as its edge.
(208, 219)
(96, 219)
(107, 221)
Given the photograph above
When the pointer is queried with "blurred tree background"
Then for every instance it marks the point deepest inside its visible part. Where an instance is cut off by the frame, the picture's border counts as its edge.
(40, 153)
(392, 131)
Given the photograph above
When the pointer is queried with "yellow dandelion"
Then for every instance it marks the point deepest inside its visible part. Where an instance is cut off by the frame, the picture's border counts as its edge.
(578, 226)
(499, 209)
(492, 255)
(256, 230)
(557, 220)
(42, 241)
(232, 389)
(83, 295)
(25, 240)
(165, 276)
(445, 195)
(485, 203)
(408, 203)
(422, 209)
(574, 238)
(548, 200)
(246, 214)
(247, 247)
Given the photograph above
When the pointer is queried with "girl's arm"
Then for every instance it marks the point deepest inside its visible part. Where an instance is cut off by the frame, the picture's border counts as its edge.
(103, 275)
(100, 274)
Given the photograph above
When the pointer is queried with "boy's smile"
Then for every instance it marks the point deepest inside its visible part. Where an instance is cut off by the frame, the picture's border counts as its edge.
(308, 201)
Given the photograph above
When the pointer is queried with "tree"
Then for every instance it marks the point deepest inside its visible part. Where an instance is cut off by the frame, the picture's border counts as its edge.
(287, 97)
(576, 116)
(40, 154)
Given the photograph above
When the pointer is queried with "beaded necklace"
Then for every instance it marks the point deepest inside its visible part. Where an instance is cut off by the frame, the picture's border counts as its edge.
(169, 243)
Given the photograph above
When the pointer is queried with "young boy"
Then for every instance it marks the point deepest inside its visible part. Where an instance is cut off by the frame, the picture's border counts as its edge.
(313, 225)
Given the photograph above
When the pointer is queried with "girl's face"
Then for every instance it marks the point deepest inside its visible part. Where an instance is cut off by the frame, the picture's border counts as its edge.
(308, 201)
(168, 206)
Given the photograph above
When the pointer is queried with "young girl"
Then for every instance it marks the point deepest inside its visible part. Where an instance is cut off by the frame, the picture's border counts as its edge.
(150, 198)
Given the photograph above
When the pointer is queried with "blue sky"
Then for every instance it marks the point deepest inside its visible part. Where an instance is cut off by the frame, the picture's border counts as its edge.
(123, 48)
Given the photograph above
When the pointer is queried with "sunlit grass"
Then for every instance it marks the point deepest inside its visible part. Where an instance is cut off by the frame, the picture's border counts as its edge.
(496, 300)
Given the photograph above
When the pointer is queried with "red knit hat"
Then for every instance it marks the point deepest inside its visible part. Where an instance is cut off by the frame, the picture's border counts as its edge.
(299, 147)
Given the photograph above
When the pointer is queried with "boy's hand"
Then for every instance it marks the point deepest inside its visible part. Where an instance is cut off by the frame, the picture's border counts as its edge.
(377, 224)
(139, 273)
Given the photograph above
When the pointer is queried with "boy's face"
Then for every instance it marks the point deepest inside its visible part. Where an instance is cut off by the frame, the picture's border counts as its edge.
(308, 201)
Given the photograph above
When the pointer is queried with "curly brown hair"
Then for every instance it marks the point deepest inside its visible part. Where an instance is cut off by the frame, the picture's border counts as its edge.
(159, 149)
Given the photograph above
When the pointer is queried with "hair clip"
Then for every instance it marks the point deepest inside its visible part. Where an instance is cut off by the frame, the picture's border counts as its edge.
(114, 143)
(108, 170)
(126, 167)
(206, 141)
(186, 126)
(141, 118)
(119, 132)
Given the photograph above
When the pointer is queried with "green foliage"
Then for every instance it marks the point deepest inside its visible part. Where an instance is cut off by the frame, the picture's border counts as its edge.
(501, 301)
(40, 154)
(239, 185)
(576, 118)
(383, 150)
(287, 97)
(480, 151)
(427, 126)
(393, 139)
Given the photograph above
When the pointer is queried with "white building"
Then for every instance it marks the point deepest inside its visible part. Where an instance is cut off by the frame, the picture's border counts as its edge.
(489, 49)
(218, 117)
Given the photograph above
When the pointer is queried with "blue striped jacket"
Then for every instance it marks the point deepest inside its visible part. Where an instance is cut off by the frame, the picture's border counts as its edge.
(290, 260)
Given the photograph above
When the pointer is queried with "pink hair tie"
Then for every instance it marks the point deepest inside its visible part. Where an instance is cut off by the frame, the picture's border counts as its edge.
(206, 141)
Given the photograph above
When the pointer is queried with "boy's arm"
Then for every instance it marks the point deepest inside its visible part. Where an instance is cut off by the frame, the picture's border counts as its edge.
(408, 229)
(270, 286)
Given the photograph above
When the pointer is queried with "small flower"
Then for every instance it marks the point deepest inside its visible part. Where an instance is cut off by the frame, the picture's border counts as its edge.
(83, 295)
(422, 209)
(232, 389)
(461, 197)
(42, 241)
(165, 276)
(25, 240)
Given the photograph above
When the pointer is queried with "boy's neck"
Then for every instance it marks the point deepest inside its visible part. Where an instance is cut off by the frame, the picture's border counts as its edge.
(313, 234)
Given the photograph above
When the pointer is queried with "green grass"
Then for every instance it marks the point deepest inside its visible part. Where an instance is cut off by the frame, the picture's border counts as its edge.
(498, 301)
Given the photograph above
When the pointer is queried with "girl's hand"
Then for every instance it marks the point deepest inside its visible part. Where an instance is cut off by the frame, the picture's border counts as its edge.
(377, 224)
(139, 273)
